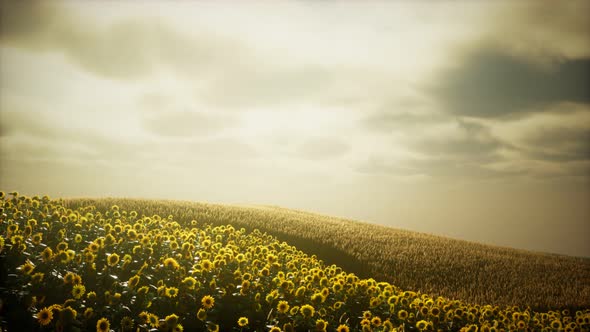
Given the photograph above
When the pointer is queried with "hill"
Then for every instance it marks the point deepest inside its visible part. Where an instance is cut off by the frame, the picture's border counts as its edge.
(434, 265)
(73, 266)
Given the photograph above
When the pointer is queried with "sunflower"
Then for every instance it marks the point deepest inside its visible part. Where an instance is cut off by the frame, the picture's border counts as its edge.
(69, 278)
(93, 247)
(37, 278)
(78, 291)
(27, 267)
(153, 320)
(317, 298)
(300, 291)
(202, 314)
(89, 257)
(171, 292)
(342, 328)
(206, 265)
(171, 263)
(143, 290)
(283, 307)
(127, 323)
(44, 316)
(47, 254)
(376, 321)
(113, 259)
(171, 320)
(307, 310)
(402, 315)
(556, 324)
(189, 282)
(143, 316)
(67, 315)
(424, 311)
(242, 321)
(37, 238)
(321, 325)
(245, 285)
(275, 329)
(208, 302)
(62, 246)
(421, 325)
(103, 325)
(387, 325)
(133, 281)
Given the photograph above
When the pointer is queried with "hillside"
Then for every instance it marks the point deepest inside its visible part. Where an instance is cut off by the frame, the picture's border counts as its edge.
(467, 271)
(100, 268)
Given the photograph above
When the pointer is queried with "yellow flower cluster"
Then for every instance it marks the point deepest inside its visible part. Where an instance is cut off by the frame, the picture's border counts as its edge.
(113, 269)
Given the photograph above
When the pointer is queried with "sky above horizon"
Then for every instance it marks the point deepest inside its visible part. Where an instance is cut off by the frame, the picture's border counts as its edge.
(456, 118)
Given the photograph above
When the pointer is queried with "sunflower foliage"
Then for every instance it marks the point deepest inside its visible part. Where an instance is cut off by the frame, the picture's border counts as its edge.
(85, 269)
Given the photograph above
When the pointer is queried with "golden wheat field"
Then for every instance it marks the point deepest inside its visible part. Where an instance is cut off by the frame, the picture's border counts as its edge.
(139, 265)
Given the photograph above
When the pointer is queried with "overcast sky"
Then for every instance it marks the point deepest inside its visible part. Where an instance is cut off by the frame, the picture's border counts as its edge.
(465, 119)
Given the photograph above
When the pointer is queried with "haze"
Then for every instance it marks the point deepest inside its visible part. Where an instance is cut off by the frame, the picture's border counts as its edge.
(463, 119)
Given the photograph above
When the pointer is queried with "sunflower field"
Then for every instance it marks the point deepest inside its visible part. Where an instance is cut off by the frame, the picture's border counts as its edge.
(434, 265)
(84, 268)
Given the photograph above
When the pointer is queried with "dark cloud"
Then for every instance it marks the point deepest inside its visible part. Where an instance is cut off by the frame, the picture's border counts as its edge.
(560, 144)
(491, 84)
(124, 49)
(471, 141)
(322, 148)
(435, 167)
(539, 29)
(464, 152)
(31, 136)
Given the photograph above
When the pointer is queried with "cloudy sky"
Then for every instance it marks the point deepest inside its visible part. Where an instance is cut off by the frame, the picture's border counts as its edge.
(465, 119)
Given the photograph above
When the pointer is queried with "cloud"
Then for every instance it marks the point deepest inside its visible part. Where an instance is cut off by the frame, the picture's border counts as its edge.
(30, 136)
(451, 148)
(186, 123)
(122, 48)
(319, 148)
(262, 84)
(492, 84)
(559, 144)
(541, 31)
(467, 140)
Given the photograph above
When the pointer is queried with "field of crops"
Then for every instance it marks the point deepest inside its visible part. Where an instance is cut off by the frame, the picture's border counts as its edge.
(438, 266)
(125, 265)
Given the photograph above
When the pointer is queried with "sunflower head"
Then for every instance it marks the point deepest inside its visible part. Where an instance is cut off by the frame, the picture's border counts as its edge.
(283, 307)
(343, 328)
(242, 321)
(171, 320)
(307, 310)
(102, 325)
(208, 302)
(113, 259)
(44, 316)
(321, 325)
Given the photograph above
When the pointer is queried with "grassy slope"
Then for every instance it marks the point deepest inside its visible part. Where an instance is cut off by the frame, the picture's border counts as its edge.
(463, 270)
